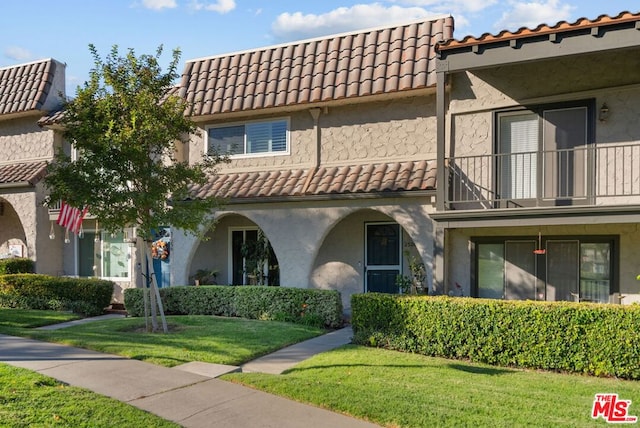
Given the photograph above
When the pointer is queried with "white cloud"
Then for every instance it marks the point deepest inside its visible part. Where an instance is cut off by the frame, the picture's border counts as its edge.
(220, 6)
(452, 6)
(296, 26)
(17, 53)
(534, 13)
(159, 4)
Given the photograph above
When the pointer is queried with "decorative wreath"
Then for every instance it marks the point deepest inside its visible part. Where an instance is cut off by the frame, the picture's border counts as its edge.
(160, 250)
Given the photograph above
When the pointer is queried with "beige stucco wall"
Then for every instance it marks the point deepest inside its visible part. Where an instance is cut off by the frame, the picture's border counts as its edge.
(381, 131)
(318, 244)
(22, 139)
(458, 253)
(26, 222)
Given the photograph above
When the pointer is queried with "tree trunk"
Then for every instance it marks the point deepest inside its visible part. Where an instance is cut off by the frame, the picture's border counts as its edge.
(151, 287)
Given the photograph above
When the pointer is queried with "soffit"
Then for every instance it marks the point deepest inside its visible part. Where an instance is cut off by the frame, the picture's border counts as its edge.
(564, 39)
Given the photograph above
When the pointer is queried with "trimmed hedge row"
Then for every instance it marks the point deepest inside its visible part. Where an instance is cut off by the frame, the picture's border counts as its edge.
(16, 265)
(307, 306)
(600, 340)
(32, 291)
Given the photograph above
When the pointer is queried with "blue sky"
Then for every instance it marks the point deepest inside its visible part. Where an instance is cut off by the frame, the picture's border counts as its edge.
(34, 29)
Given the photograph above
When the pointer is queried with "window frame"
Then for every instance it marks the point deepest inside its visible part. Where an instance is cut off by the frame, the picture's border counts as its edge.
(102, 235)
(246, 155)
(540, 197)
(541, 260)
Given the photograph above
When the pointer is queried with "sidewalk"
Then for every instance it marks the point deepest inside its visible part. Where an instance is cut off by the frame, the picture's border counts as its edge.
(189, 394)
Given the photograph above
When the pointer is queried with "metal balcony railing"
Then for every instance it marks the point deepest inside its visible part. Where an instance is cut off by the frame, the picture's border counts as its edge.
(592, 175)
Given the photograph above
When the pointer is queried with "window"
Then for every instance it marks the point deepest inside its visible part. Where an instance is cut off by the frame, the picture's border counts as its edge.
(542, 153)
(252, 260)
(571, 269)
(104, 256)
(253, 138)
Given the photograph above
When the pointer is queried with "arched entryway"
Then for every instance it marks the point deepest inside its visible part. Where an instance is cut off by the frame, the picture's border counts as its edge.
(370, 251)
(235, 251)
(12, 236)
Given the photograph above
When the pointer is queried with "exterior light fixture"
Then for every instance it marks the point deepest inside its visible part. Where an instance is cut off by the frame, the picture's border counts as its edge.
(603, 116)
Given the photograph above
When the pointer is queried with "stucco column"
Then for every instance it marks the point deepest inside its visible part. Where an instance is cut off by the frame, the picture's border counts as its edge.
(183, 246)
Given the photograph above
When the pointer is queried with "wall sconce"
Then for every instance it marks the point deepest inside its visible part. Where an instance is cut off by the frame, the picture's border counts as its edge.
(604, 113)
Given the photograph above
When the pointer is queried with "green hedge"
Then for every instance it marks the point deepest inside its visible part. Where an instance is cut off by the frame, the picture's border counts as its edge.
(308, 306)
(601, 340)
(31, 291)
(16, 265)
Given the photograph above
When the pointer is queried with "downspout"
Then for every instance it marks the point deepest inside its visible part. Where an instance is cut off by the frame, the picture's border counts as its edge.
(439, 261)
(317, 152)
(315, 114)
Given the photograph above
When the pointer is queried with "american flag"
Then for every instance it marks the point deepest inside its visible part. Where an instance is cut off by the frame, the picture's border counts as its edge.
(71, 217)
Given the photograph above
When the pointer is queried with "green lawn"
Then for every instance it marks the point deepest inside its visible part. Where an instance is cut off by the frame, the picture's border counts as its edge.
(24, 318)
(202, 338)
(409, 390)
(28, 399)
(386, 387)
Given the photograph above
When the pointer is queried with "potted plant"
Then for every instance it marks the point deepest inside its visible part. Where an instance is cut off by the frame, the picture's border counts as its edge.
(204, 276)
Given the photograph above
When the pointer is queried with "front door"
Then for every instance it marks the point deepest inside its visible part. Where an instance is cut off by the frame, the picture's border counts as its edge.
(383, 249)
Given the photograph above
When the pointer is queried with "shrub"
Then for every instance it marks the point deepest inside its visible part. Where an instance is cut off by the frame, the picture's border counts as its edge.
(16, 265)
(31, 291)
(308, 306)
(596, 339)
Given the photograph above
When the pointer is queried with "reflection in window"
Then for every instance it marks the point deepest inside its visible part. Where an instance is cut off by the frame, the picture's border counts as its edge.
(105, 257)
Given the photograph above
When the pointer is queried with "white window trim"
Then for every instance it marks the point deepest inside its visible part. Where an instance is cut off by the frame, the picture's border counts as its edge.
(251, 155)
(107, 278)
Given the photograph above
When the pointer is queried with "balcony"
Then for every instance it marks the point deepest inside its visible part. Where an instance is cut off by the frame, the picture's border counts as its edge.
(587, 176)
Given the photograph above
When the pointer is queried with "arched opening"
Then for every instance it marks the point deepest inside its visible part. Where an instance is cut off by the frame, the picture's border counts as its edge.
(235, 251)
(369, 251)
(12, 236)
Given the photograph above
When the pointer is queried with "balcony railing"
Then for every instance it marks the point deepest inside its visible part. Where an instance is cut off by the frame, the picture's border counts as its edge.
(592, 175)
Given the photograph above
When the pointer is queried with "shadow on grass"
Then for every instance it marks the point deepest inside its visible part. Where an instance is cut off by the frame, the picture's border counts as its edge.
(490, 371)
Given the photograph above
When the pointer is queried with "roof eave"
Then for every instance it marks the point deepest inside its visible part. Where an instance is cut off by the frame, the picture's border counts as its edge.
(334, 197)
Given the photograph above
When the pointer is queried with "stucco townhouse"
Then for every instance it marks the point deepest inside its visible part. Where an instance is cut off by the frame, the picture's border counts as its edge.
(337, 145)
(539, 133)
(27, 93)
(333, 145)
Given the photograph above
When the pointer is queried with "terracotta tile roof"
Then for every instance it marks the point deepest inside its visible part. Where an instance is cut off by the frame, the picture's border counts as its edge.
(355, 179)
(542, 29)
(51, 118)
(26, 87)
(26, 173)
(337, 67)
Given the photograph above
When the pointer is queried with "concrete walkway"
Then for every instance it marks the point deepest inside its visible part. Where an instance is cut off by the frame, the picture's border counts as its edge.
(189, 394)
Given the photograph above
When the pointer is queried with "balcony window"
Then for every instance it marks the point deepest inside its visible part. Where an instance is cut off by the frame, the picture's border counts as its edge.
(249, 139)
(542, 155)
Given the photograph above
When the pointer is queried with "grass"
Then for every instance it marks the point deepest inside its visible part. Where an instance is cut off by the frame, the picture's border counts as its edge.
(388, 388)
(24, 318)
(28, 399)
(202, 338)
(408, 390)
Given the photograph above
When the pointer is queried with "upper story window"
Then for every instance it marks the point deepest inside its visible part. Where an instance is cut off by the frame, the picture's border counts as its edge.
(250, 139)
(542, 152)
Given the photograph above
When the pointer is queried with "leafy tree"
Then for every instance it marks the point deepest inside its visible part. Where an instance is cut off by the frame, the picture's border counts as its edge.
(126, 124)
